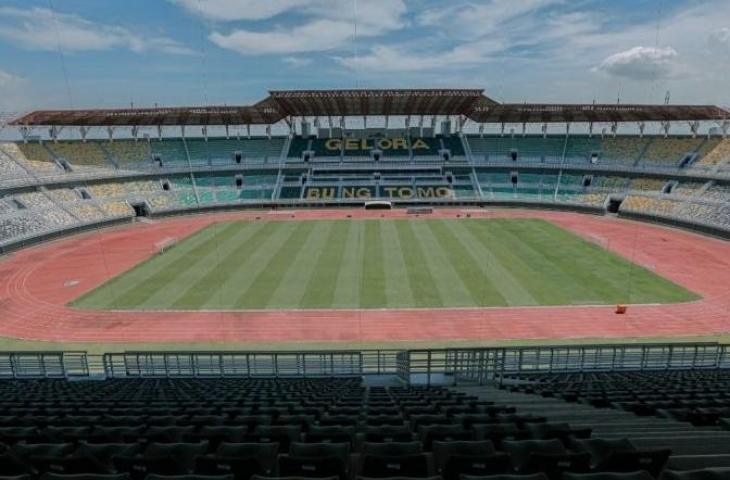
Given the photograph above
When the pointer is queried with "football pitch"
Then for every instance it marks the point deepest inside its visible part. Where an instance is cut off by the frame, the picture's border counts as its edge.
(421, 263)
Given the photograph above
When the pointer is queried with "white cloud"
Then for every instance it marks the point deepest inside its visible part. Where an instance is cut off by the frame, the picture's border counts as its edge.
(484, 18)
(384, 58)
(719, 41)
(315, 36)
(44, 29)
(231, 10)
(297, 62)
(378, 15)
(314, 26)
(641, 63)
(9, 80)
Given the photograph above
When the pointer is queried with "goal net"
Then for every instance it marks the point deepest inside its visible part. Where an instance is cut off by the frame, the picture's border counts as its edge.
(165, 244)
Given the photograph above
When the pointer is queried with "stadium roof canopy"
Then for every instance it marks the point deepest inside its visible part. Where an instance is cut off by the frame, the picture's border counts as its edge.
(279, 105)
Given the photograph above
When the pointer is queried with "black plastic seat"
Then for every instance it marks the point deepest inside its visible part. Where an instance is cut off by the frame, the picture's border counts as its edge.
(138, 467)
(392, 448)
(703, 474)
(122, 420)
(313, 467)
(65, 434)
(384, 466)
(231, 456)
(497, 433)
(315, 450)
(193, 476)
(206, 420)
(284, 435)
(184, 453)
(167, 434)
(621, 456)
(112, 476)
(11, 465)
(546, 456)
(637, 475)
(458, 465)
(444, 433)
(26, 452)
(534, 476)
(118, 434)
(348, 420)
(217, 434)
(443, 450)
(561, 431)
(331, 434)
(388, 433)
(102, 453)
(261, 477)
(11, 435)
(250, 421)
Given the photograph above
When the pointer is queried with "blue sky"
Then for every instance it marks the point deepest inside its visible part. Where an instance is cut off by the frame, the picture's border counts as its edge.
(190, 52)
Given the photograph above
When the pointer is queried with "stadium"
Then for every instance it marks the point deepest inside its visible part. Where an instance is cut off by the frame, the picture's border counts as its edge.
(363, 283)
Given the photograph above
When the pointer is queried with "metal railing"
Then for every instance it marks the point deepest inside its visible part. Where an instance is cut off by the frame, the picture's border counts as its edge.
(422, 366)
(250, 364)
(43, 365)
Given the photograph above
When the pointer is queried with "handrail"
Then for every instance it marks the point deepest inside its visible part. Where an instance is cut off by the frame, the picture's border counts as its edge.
(476, 365)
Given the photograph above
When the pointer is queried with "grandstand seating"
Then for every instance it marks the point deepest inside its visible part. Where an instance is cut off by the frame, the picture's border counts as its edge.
(623, 150)
(33, 157)
(647, 184)
(339, 428)
(687, 188)
(128, 153)
(172, 153)
(720, 153)
(81, 153)
(693, 211)
(10, 169)
(568, 178)
(718, 192)
(669, 151)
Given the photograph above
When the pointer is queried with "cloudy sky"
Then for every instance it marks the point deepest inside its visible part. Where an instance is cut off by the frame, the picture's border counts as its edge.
(110, 53)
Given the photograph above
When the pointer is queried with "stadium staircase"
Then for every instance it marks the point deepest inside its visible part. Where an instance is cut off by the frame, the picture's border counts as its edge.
(692, 447)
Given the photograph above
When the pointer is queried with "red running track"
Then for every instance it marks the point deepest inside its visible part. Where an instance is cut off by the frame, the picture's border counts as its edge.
(38, 282)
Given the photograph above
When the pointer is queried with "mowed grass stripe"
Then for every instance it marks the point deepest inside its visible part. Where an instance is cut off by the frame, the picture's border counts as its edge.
(490, 281)
(622, 280)
(320, 289)
(347, 292)
(258, 294)
(420, 278)
(221, 247)
(524, 262)
(251, 264)
(160, 274)
(454, 292)
(481, 289)
(219, 268)
(372, 286)
(290, 292)
(551, 267)
(108, 294)
(582, 261)
(397, 286)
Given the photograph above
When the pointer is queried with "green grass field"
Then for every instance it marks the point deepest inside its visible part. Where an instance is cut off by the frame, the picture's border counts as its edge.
(382, 264)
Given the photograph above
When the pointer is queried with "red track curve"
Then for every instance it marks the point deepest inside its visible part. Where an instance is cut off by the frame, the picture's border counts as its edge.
(38, 282)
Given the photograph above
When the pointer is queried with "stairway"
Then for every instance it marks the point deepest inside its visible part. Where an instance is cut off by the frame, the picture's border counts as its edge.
(692, 447)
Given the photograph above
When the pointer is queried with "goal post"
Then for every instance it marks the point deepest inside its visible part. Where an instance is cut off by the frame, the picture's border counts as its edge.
(165, 244)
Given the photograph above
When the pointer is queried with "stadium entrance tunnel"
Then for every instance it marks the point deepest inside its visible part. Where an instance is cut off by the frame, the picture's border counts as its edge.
(141, 210)
(614, 204)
